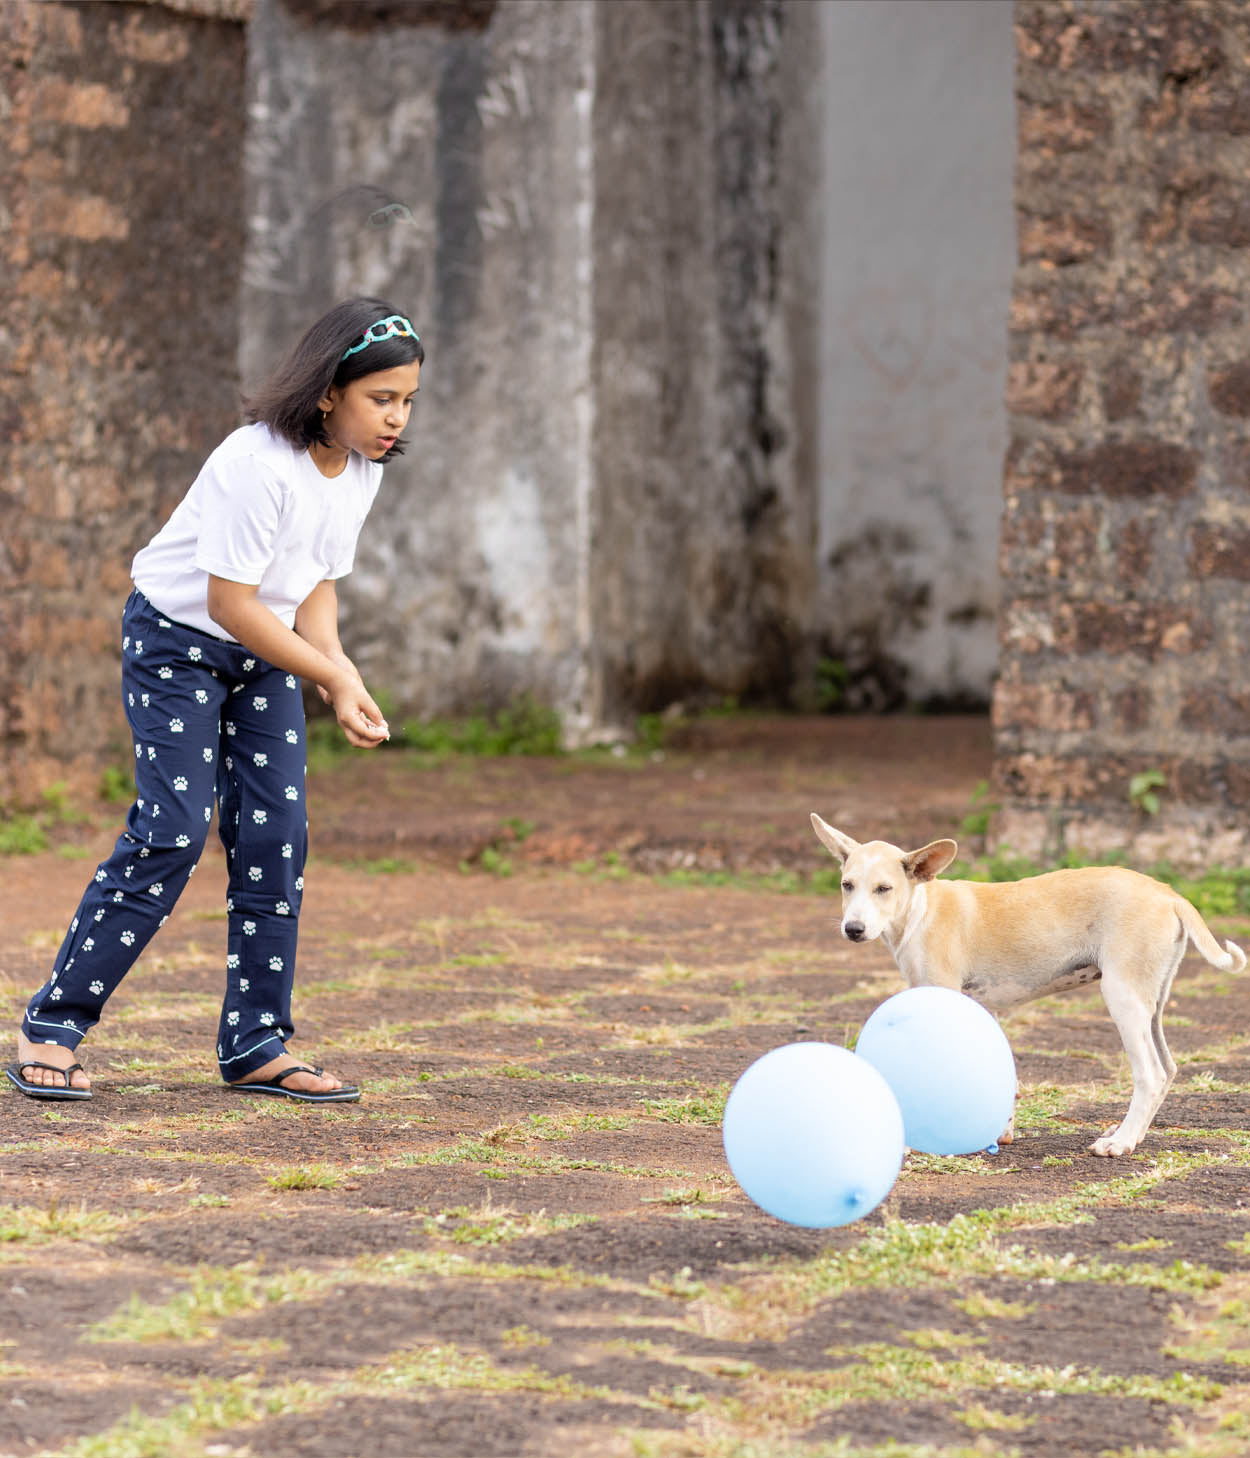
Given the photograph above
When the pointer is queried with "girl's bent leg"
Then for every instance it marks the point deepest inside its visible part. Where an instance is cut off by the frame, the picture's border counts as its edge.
(173, 706)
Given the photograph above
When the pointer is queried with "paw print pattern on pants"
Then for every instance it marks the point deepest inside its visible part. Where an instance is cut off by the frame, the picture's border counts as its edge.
(182, 745)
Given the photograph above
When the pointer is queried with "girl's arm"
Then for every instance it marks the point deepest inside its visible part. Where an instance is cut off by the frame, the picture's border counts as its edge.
(234, 607)
(317, 622)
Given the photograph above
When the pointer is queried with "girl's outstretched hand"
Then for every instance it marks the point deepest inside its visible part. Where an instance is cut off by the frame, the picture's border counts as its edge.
(344, 662)
(359, 717)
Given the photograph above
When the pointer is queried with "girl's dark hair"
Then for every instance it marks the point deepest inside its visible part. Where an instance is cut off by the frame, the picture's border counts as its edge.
(287, 401)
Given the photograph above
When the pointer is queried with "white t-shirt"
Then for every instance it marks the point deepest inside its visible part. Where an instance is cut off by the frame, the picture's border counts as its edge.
(259, 512)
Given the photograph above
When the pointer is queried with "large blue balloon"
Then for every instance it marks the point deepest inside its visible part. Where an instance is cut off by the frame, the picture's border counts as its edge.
(949, 1064)
(813, 1134)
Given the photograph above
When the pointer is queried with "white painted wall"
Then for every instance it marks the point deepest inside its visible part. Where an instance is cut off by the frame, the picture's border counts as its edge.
(917, 253)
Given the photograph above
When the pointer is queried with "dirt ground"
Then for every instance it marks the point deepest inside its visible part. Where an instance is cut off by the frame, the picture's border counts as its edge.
(546, 975)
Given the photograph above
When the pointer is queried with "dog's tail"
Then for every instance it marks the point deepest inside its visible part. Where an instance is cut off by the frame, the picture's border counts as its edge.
(1231, 959)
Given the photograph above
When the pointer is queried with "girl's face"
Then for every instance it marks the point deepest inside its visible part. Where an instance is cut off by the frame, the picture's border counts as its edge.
(369, 414)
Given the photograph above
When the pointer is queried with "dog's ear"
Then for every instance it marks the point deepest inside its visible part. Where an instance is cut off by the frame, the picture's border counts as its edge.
(930, 860)
(833, 840)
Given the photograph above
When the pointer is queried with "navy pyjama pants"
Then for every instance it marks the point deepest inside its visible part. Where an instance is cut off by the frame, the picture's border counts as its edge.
(210, 722)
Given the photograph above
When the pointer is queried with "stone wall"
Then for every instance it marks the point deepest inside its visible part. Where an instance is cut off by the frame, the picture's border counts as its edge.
(120, 233)
(1125, 624)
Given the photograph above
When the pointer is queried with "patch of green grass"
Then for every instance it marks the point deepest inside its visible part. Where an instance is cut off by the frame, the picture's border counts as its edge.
(117, 784)
(701, 1108)
(495, 862)
(564, 1126)
(448, 1367)
(526, 727)
(981, 1419)
(684, 1197)
(384, 866)
(976, 820)
(213, 1406)
(1039, 1106)
(520, 1337)
(25, 832)
(1209, 1082)
(305, 1177)
(983, 1307)
(464, 1227)
(957, 1164)
(22, 835)
(913, 1375)
(212, 1295)
(57, 1222)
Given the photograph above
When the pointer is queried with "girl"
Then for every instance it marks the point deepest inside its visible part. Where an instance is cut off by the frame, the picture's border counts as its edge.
(234, 603)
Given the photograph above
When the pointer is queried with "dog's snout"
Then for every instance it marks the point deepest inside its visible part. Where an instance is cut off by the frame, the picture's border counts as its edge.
(853, 930)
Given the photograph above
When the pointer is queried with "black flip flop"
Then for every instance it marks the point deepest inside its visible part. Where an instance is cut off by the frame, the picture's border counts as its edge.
(348, 1094)
(41, 1090)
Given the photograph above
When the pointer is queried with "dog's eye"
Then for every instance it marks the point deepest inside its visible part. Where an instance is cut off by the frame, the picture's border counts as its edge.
(882, 890)
(848, 886)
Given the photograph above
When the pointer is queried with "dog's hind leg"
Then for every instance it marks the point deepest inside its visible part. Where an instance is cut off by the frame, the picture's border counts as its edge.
(1156, 1022)
(1136, 1002)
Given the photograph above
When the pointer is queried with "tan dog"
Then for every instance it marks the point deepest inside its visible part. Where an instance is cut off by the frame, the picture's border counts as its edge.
(1006, 943)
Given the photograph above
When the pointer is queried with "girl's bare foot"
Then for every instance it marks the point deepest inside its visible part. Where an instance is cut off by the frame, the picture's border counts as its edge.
(28, 1053)
(305, 1082)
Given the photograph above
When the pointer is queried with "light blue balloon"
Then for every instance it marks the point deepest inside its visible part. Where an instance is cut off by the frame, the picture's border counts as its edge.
(813, 1135)
(949, 1064)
